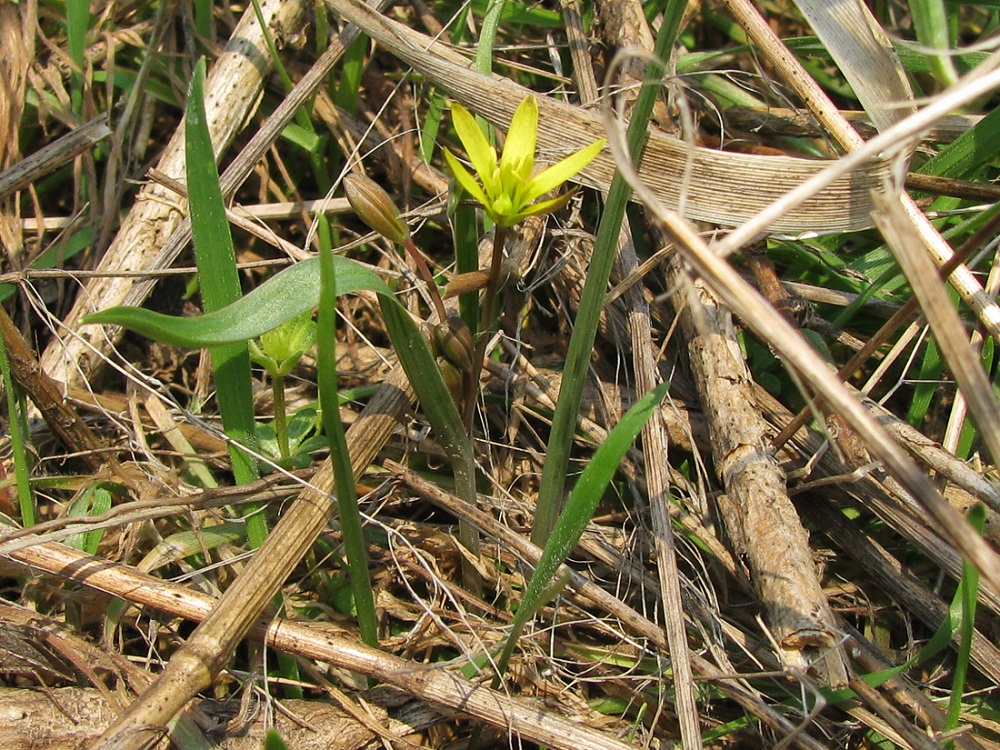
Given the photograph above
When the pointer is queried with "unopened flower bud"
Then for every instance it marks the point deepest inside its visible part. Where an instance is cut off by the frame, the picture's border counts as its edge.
(375, 208)
(454, 341)
(452, 379)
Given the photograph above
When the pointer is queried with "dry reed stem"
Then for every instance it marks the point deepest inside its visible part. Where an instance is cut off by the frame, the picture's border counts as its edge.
(207, 651)
(816, 100)
(231, 94)
(898, 582)
(49, 158)
(516, 716)
(762, 524)
(71, 717)
(725, 188)
(629, 24)
(589, 592)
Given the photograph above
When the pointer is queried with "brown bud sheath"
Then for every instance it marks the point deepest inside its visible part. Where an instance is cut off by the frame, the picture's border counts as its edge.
(461, 283)
(454, 341)
(375, 208)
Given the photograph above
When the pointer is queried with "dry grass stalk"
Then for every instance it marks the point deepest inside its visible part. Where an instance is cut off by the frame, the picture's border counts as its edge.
(898, 223)
(629, 24)
(590, 592)
(71, 717)
(49, 158)
(195, 666)
(725, 188)
(759, 517)
(891, 88)
(231, 94)
(438, 686)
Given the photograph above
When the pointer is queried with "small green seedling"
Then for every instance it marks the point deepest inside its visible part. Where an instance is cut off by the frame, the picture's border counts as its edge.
(279, 350)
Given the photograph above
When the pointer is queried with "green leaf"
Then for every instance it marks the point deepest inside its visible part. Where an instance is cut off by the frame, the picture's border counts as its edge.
(347, 498)
(220, 285)
(579, 510)
(284, 296)
(421, 368)
(93, 501)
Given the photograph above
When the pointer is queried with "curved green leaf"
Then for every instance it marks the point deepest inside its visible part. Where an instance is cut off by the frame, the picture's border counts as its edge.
(279, 299)
(579, 510)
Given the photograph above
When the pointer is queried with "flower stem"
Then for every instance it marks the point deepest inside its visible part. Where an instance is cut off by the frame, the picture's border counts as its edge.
(486, 318)
(280, 419)
(425, 274)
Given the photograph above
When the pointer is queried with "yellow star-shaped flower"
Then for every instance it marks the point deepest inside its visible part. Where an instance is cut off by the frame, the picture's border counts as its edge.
(508, 191)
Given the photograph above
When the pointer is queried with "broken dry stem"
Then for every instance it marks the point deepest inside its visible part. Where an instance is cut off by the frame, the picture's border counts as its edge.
(436, 686)
(207, 651)
(759, 517)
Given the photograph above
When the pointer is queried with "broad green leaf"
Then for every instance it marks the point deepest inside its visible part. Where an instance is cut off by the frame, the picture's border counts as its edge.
(284, 296)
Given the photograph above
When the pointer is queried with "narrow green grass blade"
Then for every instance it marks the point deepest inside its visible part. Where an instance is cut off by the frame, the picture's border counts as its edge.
(417, 360)
(466, 237)
(93, 501)
(432, 125)
(220, 285)
(927, 384)
(421, 368)
(488, 35)
(581, 346)
(969, 597)
(930, 21)
(77, 25)
(346, 95)
(22, 471)
(347, 498)
(579, 510)
(203, 19)
(973, 151)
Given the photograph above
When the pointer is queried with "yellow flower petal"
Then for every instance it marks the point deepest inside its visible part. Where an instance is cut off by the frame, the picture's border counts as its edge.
(518, 158)
(465, 178)
(539, 208)
(561, 171)
(482, 155)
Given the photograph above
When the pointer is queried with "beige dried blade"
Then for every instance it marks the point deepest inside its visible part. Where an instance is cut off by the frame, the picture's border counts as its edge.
(896, 222)
(864, 54)
(48, 159)
(725, 188)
